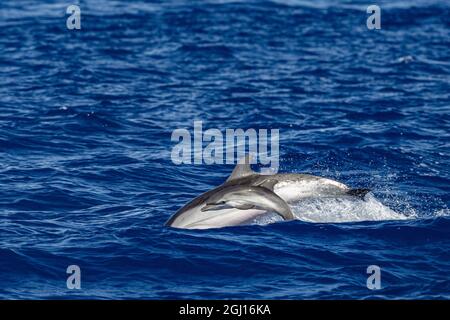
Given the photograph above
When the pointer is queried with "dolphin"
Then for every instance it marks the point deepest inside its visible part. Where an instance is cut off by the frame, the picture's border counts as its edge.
(246, 195)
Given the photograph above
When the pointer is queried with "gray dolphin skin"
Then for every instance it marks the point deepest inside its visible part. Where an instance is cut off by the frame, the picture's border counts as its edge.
(246, 195)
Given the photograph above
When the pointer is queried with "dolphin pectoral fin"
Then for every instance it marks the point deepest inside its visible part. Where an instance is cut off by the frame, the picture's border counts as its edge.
(279, 206)
(360, 193)
(286, 214)
(283, 209)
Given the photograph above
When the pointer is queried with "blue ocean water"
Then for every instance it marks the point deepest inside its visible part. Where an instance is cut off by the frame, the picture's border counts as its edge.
(86, 117)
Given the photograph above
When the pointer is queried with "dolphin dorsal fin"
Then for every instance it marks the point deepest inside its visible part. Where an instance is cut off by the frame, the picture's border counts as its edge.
(242, 168)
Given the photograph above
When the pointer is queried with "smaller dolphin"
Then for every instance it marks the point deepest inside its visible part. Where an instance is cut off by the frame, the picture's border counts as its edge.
(248, 197)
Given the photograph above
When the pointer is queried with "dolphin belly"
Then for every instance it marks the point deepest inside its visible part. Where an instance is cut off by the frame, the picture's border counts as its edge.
(196, 219)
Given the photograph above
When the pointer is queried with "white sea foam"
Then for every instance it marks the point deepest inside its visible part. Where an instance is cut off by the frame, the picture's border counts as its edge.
(338, 210)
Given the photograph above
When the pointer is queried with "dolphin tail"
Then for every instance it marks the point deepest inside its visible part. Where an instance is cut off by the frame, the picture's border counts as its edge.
(360, 193)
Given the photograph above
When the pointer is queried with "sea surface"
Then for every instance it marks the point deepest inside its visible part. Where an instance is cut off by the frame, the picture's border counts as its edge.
(87, 178)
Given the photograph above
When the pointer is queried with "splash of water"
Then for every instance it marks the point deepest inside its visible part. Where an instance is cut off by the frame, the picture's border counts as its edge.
(338, 210)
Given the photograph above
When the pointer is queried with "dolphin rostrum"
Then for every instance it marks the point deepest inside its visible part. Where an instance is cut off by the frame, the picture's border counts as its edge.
(246, 195)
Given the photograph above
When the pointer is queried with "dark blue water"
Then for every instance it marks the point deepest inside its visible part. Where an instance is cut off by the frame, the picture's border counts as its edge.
(86, 118)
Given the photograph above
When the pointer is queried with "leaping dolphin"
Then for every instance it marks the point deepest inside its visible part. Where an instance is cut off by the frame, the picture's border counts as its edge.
(246, 195)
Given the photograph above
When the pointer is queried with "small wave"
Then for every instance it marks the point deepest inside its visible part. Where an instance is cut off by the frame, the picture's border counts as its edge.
(405, 59)
(442, 213)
